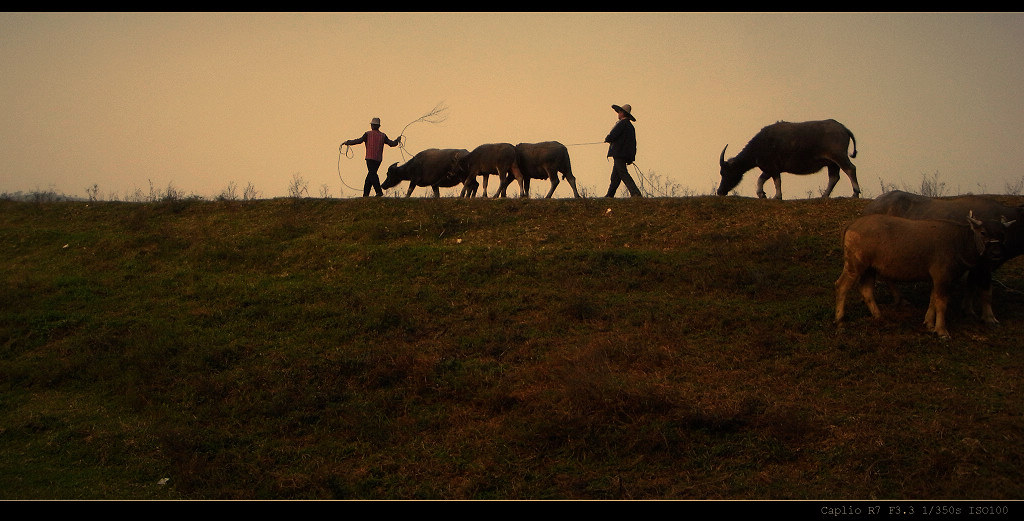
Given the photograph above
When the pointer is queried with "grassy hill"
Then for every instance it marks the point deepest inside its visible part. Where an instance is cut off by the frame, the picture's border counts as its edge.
(673, 348)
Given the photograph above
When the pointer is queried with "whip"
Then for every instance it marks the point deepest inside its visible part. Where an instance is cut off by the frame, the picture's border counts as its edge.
(435, 116)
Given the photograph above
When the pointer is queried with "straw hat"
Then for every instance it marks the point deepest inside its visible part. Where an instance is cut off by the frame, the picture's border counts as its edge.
(625, 109)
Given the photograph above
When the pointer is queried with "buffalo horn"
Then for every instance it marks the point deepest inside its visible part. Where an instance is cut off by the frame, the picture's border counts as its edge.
(721, 159)
(971, 219)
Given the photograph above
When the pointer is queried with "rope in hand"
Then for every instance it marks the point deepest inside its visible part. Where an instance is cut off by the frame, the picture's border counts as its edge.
(650, 183)
(345, 150)
(643, 179)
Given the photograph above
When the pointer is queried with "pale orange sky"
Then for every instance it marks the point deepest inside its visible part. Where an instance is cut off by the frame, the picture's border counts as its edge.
(201, 100)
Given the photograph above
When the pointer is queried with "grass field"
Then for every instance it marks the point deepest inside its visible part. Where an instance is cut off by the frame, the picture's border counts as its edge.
(664, 348)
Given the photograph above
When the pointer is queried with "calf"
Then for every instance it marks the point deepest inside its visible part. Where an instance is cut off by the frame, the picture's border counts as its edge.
(484, 160)
(900, 249)
(979, 278)
(540, 161)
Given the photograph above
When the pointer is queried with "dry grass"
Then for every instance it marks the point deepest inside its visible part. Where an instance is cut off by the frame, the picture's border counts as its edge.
(585, 349)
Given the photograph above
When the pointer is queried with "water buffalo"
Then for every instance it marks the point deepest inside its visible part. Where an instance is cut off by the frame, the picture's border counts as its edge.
(484, 160)
(540, 161)
(979, 278)
(433, 167)
(796, 148)
(900, 249)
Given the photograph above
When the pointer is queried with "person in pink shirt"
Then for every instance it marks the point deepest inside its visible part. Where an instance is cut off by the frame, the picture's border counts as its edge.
(374, 141)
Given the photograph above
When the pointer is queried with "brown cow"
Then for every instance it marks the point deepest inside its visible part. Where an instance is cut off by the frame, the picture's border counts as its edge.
(484, 160)
(900, 249)
(979, 278)
(541, 161)
(433, 167)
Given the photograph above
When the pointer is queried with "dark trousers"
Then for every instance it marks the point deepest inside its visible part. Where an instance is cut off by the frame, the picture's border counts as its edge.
(621, 174)
(372, 181)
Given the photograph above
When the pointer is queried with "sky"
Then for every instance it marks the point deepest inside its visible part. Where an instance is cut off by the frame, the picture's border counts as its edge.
(198, 102)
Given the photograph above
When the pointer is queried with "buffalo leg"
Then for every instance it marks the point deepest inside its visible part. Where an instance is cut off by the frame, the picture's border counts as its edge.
(985, 295)
(553, 176)
(524, 186)
(524, 182)
(851, 172)
(843, 285)
(470, 186)
(867, 293)
(777, 178)
(760, 183)
(833, 178)
(979, 285)
(572, 184)
(935, 318)
(571, 179)
(502, 186)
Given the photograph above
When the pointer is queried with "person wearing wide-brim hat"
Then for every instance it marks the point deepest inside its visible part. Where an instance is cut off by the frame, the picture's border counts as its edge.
(375, 141)
(622, 149)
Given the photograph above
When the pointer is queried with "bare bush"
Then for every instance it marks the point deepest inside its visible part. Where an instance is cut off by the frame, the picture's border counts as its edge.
(230, 193)
(653, 184)
(250, 193)
(298, 187)
(135, 196)
(931, 186)
(1015, 187)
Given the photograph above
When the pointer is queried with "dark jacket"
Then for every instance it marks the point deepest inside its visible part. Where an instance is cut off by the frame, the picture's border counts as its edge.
(622, 141)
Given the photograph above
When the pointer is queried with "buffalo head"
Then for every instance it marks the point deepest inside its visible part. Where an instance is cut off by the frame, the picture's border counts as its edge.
(989, 238)
(730, 176)
(393, 177)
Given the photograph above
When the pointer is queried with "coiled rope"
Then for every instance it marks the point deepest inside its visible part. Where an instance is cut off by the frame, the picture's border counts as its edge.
(345, 150)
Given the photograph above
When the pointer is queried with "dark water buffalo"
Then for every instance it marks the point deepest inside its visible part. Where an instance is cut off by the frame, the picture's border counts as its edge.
(540, 161)
(979, 278)
(899, 249)
(796, 148)
(484, 160)
(433, 167)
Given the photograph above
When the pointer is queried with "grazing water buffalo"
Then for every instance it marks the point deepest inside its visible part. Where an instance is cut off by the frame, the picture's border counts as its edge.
(797, 148)
(900, 249)
(433, 167)
(540, 161)
(979, 278)
(484, 160)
